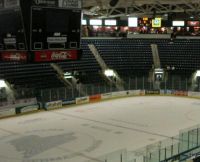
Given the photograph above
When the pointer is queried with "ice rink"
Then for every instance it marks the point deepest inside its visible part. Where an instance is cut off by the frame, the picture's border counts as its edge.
(86, 133)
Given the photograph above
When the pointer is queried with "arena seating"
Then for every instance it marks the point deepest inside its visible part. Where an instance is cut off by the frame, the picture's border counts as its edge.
(87, 67)
(183, 54)
(125, 54)
(129, 57)
(29, 75)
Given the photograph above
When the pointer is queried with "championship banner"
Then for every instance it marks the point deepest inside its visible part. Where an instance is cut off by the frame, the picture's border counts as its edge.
(50, 56)
(14, 56)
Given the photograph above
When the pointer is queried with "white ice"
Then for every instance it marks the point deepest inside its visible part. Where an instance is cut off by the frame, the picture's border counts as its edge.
(88, 133)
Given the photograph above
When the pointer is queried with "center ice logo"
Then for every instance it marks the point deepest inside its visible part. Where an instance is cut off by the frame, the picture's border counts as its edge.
(46, 145)
(33, 145)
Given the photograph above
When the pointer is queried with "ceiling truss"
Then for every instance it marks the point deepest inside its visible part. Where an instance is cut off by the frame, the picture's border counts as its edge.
(141, 7)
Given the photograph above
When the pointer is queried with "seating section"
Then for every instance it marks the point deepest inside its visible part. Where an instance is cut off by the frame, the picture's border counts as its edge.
(129, 57)
(29, 75)
(87, 67)
(126, 55)
(183, 54)
(42, 76)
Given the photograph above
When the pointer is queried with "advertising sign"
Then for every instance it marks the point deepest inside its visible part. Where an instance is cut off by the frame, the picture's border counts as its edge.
(95, 98)
(70, 3)
(48, 3)
(156, 23)
(193, 23)
(14, 56)
(82, 100)
(49, 56)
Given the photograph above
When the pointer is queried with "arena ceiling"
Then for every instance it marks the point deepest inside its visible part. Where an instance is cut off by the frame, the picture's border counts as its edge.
(103, 9)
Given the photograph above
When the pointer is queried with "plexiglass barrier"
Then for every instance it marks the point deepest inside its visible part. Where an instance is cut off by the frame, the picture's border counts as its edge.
(131, 83)
(177, 148)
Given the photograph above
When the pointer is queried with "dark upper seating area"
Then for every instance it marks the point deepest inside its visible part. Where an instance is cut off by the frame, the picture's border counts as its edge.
(87, 67)
(29, 75)
(182, 54)
(126, 55)
(129, 57)
(42, 76)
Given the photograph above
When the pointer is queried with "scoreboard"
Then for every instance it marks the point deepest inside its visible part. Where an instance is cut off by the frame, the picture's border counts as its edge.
(41, 29)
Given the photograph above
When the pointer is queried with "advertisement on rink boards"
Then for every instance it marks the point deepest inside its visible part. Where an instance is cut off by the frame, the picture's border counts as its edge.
(28, 108)
(82, 100)
(25, 102)
(152, 92)
(165, 92)
(120, 94)
(180, 93)
(53, 105)
(128, 93)
(134, 92)
(7, 111)
(142, 93)
(95, 98)
(194, 94)
(106, 96)
(14, 56)
(19, 106)
(68, 102)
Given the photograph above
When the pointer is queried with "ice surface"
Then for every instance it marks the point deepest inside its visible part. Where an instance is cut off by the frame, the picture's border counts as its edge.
(89, 133)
